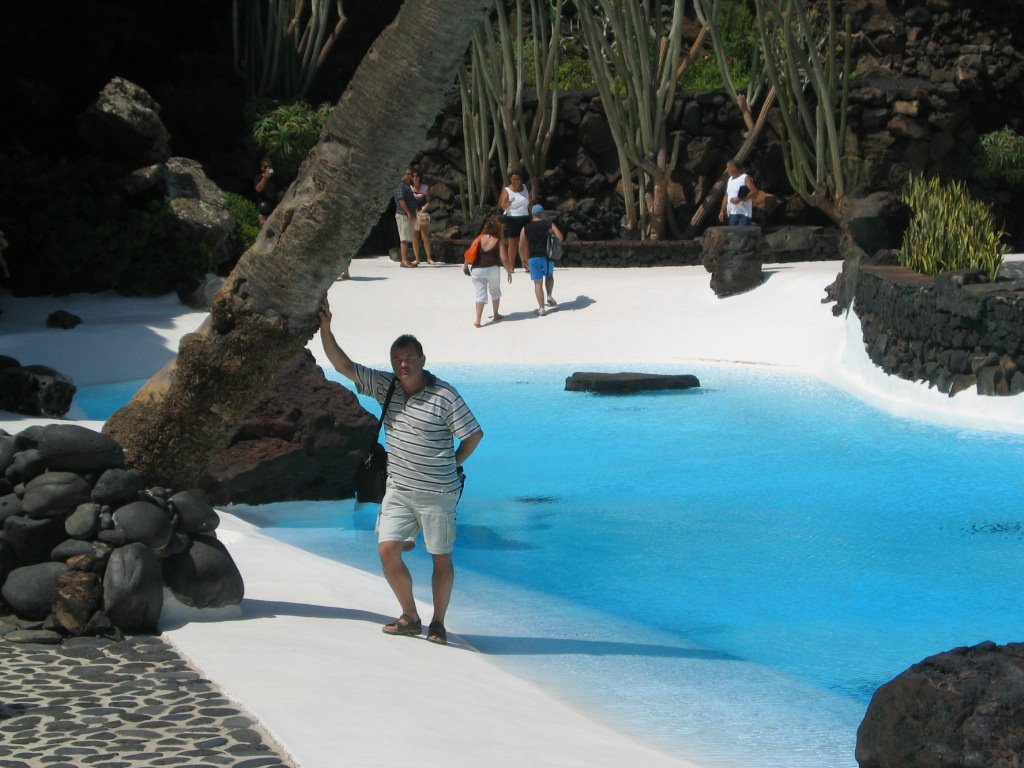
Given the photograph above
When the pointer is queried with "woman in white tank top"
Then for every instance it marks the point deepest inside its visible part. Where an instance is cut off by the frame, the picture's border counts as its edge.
(515, 206)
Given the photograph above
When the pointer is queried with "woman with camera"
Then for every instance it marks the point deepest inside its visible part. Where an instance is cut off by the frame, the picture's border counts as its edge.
(266, 190)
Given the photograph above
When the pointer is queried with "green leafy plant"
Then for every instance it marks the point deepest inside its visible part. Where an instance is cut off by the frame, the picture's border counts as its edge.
(949, 231)
(737, 32)
(143, 253)
(574, 72)
(69, 232)
(999, 158)
(286, 132)
(247, 224)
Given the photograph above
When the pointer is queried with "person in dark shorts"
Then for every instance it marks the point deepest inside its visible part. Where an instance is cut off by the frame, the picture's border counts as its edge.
(533, 251)
(515, 205)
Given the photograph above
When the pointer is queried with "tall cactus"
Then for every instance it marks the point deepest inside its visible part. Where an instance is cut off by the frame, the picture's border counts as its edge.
(478, 134)
(813, 92)
(709, 13)
(494, 88)
(637, 61)
(280, 44)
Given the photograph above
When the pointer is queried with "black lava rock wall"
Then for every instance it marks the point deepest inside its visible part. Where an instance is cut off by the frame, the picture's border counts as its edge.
(953, 331)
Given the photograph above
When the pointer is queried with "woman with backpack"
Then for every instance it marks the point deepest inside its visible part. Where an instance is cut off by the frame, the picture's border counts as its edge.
(533, 251)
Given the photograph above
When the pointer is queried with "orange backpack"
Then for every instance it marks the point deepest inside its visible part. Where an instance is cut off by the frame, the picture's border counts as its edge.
(471, 252)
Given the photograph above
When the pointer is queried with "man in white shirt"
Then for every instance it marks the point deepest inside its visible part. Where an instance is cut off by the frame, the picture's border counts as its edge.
(423, 419)
(738, 204)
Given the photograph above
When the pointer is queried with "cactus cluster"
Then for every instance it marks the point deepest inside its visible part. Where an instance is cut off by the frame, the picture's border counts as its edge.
(638, 56)
(280, 44)
(498, 123)
(808, 62)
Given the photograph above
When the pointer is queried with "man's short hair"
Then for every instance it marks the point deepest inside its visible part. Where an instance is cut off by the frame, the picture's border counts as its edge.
(407, 340)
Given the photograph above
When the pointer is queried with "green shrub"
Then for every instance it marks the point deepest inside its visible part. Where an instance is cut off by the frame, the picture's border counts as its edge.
(949, 230)
(999, 157)
(286, 132)
(143, 253)
(738, 32)
(574, 72)
(247, 224)
(70, 231)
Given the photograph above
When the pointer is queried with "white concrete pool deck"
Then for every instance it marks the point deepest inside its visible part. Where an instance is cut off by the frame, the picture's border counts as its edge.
(304, 652)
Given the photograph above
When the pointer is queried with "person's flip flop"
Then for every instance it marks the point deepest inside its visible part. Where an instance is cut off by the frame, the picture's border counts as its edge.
(436, 633)
(403, 625)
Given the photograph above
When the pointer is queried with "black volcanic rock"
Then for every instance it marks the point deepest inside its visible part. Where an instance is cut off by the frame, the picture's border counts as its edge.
(627, 383)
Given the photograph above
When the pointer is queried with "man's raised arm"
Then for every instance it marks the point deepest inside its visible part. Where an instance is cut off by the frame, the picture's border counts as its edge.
(342, 363)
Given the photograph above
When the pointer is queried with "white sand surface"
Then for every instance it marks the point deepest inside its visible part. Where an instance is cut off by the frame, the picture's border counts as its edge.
(304, 651)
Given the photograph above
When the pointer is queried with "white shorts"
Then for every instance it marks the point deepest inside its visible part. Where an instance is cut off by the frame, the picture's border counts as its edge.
(486, 279)
(404, 228)
(404, 513)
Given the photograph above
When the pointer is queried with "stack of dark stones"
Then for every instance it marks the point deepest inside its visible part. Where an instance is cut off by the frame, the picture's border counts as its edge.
(34, 390)
(87, 547)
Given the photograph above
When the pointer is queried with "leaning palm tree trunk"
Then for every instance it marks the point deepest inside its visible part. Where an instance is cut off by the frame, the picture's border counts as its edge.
(267, 309)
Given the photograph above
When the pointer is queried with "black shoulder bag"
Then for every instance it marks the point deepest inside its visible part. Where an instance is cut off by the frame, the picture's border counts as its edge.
(372, 471)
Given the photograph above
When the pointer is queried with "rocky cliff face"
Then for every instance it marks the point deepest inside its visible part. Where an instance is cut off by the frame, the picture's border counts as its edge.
(930, 76)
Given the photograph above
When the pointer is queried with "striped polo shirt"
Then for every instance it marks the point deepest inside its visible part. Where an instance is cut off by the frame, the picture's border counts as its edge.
(420, 430)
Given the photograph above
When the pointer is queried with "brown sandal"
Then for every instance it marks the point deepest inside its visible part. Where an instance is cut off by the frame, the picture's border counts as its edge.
(403, 625)
(436, 633)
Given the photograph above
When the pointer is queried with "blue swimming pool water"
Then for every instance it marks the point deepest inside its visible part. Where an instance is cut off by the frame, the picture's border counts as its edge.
(727, 572)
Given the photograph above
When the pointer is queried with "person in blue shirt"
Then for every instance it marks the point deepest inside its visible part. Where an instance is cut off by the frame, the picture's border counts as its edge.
(405, 219)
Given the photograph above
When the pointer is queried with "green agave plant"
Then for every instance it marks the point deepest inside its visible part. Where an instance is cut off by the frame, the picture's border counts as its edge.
(950, 230)
(285, 132)
(999, 157)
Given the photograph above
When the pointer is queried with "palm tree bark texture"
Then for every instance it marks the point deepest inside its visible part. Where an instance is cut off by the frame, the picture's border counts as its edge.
(267, 310)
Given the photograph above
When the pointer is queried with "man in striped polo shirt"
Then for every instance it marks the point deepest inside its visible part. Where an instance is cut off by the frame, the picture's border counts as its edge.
(425, 417)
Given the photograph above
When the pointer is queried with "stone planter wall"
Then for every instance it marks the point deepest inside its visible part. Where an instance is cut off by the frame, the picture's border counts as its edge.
(952, 331)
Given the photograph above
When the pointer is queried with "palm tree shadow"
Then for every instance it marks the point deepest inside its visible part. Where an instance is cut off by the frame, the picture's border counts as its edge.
(250, 609)
(495, 645)
(268, 609)
(499, 645)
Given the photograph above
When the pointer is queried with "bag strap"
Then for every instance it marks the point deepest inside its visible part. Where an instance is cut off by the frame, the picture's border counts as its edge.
(384, 409)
